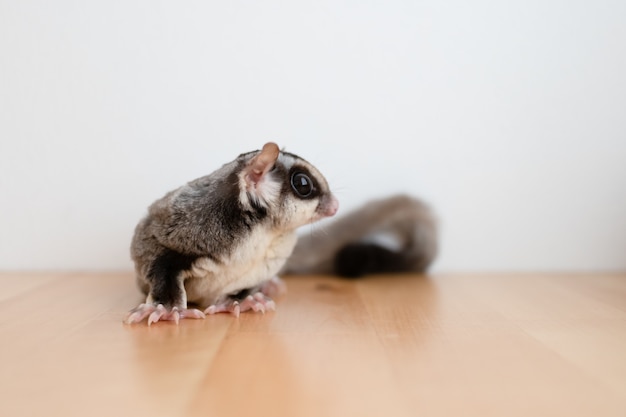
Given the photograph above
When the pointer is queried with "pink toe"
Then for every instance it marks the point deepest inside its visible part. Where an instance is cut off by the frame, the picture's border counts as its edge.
(135, 317)
(156, 314)
(137, 314)
(176, 316)
(193, 313)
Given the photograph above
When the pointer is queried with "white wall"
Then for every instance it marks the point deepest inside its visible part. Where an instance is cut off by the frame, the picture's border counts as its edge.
(509, 117)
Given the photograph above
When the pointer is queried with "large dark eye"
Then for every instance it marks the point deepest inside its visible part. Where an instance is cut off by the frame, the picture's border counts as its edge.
(302, 184)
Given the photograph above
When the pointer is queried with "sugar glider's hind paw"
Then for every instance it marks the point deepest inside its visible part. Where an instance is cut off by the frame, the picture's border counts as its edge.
(257, 302)
(158, 312)
(258, 299)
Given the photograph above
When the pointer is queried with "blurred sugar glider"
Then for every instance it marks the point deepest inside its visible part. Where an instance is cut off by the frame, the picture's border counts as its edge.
(218, 241)
(395, 234)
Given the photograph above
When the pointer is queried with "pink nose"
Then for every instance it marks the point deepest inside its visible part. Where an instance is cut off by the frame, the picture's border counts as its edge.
(331, 205)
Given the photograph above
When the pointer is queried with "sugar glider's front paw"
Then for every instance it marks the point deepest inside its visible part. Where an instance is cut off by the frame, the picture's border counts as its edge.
(158, 312)
(257, 302)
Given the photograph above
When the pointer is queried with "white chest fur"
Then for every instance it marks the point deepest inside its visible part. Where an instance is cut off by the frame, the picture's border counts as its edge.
(257, 259)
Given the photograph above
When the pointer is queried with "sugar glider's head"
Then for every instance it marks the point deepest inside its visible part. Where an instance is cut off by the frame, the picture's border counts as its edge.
(291, 190)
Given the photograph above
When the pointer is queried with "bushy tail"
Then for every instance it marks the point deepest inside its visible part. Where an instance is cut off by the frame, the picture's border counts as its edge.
(395, 234)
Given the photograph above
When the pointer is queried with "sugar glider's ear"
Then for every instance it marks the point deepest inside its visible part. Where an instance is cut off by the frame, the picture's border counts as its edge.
(261, 164)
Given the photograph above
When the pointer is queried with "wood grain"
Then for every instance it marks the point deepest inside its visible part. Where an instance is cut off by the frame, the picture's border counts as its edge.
(466, 345)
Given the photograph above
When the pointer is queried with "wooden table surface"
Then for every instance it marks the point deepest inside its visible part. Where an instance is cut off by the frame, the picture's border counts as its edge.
(447, 345)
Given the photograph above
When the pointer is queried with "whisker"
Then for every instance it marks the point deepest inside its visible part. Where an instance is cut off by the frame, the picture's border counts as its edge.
(318, 229)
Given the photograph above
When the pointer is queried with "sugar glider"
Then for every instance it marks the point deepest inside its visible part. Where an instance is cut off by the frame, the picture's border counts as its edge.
(218, 241)
(394, 234)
